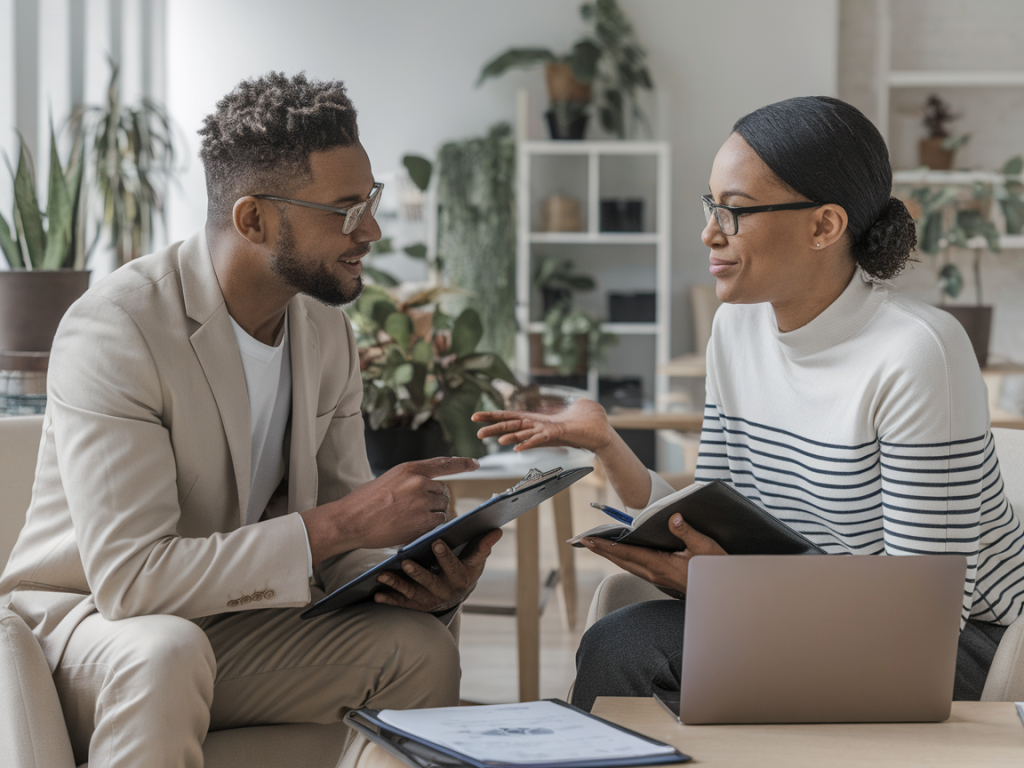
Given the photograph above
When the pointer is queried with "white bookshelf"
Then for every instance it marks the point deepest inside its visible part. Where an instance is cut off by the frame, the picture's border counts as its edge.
(592, 249)
(886, 78)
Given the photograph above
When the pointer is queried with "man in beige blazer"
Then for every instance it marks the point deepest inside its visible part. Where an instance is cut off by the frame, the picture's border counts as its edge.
(163, 564)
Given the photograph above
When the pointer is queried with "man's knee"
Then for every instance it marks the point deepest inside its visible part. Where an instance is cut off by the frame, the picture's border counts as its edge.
(424, 659)
(167, 648)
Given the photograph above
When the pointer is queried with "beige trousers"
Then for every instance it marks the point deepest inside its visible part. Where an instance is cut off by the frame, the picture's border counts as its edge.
(144, 691)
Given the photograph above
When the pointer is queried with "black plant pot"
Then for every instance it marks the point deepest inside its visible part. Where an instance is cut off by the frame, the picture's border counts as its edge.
(562, 127)
(551, 296)
(387, 448)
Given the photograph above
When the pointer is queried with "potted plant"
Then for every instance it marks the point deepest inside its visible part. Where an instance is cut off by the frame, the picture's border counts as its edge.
(608, 55)
(557, 280)
(937, 150)
(131, 156)
(957, 217)
(44, 248)
(423, 377)
(572, 340)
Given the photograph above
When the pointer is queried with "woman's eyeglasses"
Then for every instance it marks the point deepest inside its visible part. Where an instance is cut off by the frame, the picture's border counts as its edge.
(353, 214)
(728, 216)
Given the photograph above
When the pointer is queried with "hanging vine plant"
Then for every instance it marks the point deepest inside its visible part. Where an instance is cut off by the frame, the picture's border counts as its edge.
(476, 239)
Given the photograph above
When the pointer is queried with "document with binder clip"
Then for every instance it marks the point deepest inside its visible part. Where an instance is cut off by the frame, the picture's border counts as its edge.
(459, 533)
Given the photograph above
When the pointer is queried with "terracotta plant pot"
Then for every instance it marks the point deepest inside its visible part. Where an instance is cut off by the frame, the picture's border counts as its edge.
(563, 85)
(977, 321)
(32, 302)
(934, 155)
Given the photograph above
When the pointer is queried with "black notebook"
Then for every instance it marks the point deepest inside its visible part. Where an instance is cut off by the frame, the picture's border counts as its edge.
(717, 510)
(458, 534)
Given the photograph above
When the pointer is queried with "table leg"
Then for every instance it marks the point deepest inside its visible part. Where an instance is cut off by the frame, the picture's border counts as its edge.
(562, 505)
(527, 605)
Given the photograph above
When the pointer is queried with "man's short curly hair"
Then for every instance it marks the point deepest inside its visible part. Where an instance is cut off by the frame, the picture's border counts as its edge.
(259, 139)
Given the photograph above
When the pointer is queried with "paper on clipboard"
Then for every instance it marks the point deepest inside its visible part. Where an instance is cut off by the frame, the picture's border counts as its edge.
(531, 732)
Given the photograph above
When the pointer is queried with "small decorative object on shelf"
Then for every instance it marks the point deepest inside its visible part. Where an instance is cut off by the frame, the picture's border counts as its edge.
(632, 307)
(939, 148)
(561, 214)
(622, 215)
(608, 55)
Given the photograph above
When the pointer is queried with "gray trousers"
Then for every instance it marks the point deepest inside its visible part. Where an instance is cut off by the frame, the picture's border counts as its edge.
(637, 649)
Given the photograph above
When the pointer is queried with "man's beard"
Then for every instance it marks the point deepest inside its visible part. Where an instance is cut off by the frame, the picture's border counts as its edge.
(315, 281)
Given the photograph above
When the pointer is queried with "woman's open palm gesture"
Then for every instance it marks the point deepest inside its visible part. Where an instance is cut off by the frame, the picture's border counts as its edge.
(583, 424)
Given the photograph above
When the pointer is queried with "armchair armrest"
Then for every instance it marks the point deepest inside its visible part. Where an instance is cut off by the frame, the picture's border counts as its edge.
(32, 730)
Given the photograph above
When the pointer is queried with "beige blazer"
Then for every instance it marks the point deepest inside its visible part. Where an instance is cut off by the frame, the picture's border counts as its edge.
(142, 478)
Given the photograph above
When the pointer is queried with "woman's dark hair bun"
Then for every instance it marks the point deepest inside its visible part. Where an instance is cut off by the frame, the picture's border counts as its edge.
(829, 152)
(884, 249)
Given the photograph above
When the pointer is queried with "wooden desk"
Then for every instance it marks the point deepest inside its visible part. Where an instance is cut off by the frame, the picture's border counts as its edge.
(986, 734)
(486, 481)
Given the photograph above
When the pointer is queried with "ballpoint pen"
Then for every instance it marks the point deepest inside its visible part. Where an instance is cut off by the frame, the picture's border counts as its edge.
(614, 513)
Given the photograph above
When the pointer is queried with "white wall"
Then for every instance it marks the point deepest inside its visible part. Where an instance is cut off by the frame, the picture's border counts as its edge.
(411, 67)
(951, 34)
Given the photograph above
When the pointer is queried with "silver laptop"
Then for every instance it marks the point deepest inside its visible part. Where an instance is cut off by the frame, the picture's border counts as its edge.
(820, 639)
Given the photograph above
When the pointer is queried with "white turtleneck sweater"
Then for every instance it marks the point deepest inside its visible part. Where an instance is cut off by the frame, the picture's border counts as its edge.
(866, 430)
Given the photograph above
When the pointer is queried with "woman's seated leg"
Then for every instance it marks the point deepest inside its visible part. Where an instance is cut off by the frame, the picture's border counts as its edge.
(630, 652)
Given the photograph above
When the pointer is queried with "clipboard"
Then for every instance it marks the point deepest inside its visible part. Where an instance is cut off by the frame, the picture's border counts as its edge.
(457, 533)
(418, 753)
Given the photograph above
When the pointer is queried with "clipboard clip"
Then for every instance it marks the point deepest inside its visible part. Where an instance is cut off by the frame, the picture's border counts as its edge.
(533, 477)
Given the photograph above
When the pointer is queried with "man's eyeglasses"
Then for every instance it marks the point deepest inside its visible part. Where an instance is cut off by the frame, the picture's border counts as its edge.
(728, 216)
(353, 214)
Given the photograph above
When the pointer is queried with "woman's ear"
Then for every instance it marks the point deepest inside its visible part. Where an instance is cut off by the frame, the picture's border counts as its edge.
(830, 223)
(250, 222)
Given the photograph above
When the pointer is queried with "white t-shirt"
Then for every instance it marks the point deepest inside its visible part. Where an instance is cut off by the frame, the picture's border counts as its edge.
(268, 380)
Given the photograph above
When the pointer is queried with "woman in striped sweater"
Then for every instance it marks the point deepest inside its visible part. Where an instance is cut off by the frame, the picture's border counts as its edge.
(854, 414)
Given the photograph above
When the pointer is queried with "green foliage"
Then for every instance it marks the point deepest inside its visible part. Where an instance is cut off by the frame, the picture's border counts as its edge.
(557, 274)
(948, 218)
(608, 55)
(133, 155)
(54, 237)
(564, 328)
(420, 170)
(476, 232)
(1010, 194)
(621, 69)
(417, 363)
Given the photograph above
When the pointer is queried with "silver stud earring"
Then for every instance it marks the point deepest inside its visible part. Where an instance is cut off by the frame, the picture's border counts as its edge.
(818, 244)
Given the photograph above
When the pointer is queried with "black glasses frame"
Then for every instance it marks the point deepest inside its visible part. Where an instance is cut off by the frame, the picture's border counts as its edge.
(353, 214)
(710, 206)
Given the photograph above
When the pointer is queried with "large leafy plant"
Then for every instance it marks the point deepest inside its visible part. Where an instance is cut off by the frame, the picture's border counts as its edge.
(418, 363)
(52, 237)
(132, 155)
(608, 55)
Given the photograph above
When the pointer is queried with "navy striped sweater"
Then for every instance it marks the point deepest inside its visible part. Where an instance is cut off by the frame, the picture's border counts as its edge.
(867, 430)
